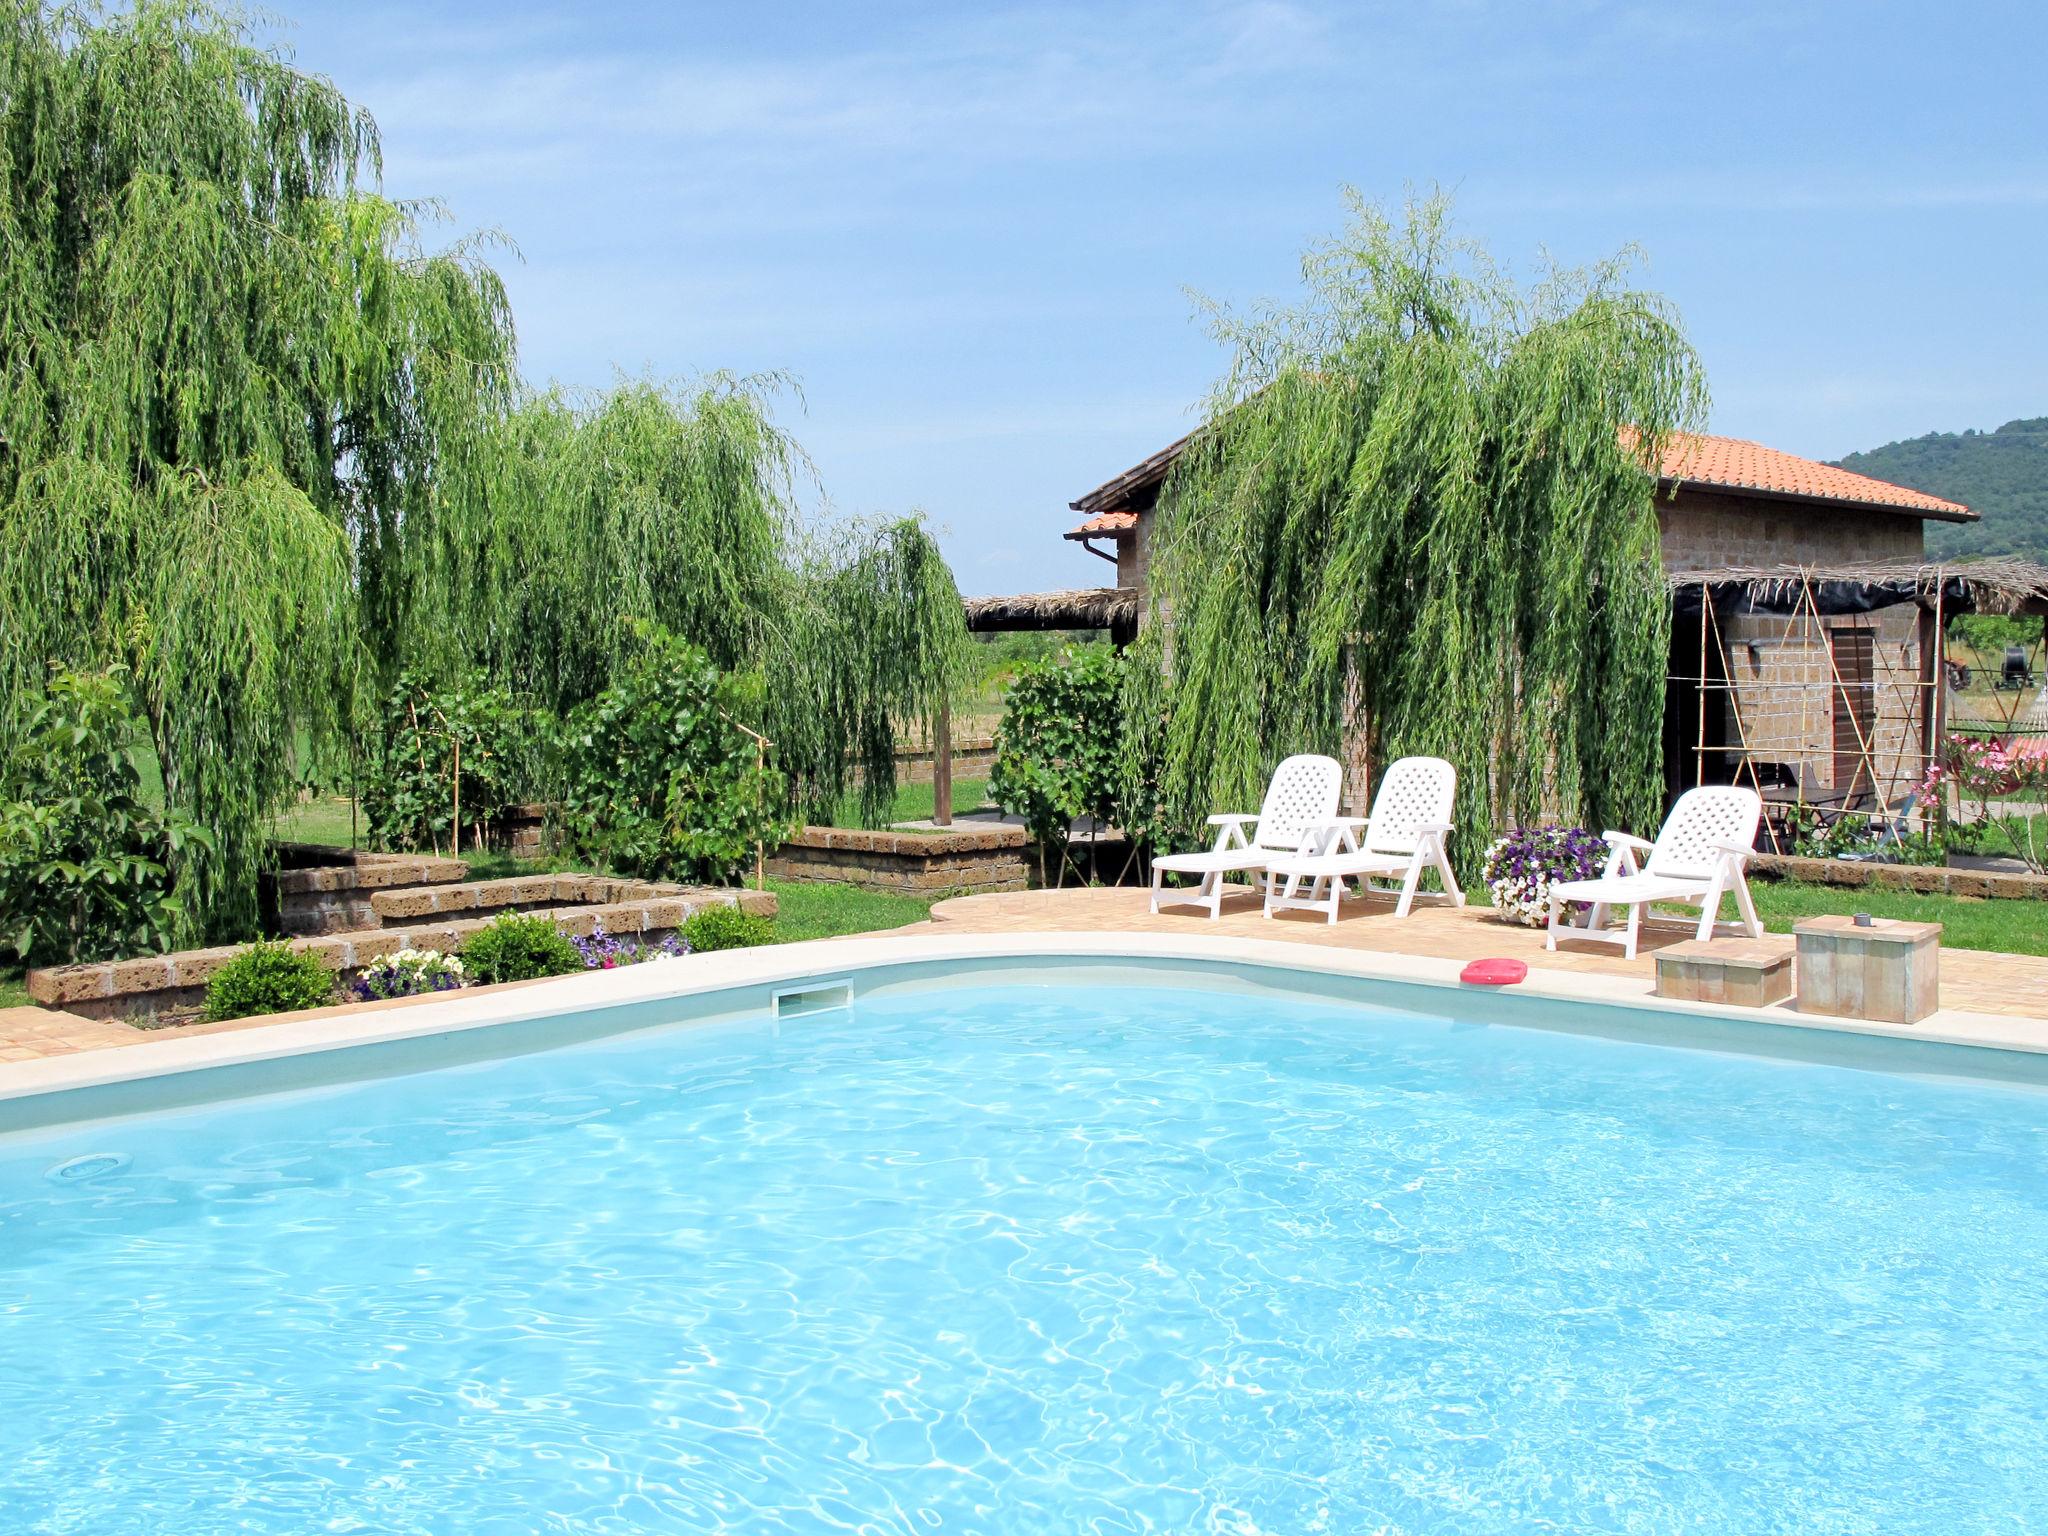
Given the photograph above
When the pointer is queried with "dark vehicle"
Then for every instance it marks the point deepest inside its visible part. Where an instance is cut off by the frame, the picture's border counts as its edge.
(2015, 674)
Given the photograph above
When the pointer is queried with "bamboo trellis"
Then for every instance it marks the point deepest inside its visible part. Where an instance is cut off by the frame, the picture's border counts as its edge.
(1874, 766)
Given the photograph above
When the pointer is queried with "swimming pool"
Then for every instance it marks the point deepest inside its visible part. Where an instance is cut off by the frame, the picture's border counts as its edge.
(1058, 1258)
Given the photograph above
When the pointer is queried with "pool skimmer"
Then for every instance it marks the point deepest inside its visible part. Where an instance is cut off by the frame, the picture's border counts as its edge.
(812, 997)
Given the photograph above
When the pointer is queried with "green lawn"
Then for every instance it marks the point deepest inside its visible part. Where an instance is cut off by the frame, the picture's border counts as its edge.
(815, 910)
(914, 802)
(325, 820)
(2017, 927)
(13, 989)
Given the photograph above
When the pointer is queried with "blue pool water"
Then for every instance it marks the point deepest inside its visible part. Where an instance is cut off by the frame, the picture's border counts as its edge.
(1042, 1260)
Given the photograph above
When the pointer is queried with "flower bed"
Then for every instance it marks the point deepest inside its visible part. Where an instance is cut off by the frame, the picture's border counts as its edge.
(603, 951)
(408, 973)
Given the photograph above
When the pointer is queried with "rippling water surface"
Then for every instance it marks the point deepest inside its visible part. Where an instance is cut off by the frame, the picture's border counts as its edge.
(1045, 1260)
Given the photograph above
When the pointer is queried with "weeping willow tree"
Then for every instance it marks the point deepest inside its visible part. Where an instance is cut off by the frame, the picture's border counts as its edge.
(873, 642)
(228, 371)
(1420, 519)
(263, 447)
(650, 500)
(676, 503)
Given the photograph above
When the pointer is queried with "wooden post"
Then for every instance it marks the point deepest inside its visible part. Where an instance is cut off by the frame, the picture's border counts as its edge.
(942, 765)
(1699, 765)
(1933, 679)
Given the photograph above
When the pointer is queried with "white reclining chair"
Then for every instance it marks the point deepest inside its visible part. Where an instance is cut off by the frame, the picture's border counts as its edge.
(1301, 801)
(1411, 816)
(1698, 857)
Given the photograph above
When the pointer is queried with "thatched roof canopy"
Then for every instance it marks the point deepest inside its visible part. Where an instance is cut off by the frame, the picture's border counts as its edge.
(1076, 608)
(1996, 585)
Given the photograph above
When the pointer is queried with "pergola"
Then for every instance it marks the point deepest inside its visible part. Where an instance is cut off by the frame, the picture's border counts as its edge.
(1115, 609)
(1798, 602)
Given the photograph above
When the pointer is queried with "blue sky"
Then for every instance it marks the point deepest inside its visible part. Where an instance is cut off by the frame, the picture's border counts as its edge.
(968, 230)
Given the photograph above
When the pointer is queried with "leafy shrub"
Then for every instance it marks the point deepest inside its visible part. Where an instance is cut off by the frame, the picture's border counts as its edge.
(1059, 747)
(1521, 868)
(439, 749)
(1983, 774)
(409, 973)
(662, 780)
(1990, 633)
(512, 947)
(602, 952)
(86, 864)
(268, 977)
(725, 927)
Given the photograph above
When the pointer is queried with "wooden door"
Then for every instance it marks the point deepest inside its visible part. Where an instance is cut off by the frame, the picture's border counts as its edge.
(1855, 708)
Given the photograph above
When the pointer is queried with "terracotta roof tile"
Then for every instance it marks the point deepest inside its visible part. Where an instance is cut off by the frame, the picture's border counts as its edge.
(1743, 465)
(1696, 459)
(1104, 525)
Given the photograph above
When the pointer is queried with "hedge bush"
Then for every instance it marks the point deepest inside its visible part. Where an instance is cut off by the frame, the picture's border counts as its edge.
(1059, 748)
(409, 778)
(725, 927)
(268, 977)
(519, 948)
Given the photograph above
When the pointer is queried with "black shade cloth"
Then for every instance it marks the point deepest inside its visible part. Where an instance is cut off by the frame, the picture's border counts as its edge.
(1831, 598)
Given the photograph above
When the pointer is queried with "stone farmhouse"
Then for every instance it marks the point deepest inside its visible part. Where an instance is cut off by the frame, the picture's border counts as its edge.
(1806, 617)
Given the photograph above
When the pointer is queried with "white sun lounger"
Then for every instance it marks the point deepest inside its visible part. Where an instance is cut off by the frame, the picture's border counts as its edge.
(1698, 857)
(1411, 817)
(1301, 800)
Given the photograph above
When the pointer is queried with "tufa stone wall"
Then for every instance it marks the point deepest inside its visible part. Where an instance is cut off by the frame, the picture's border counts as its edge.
(973, 757)
(1134, 554)
(318, 889)
(520, 830)
(1782, 684)
(912, 863)
(1784, 697)
(174, 985)
(1701, 529)
(1924, 878)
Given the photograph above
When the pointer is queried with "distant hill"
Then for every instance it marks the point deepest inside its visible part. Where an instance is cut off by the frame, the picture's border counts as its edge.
(2002, 475)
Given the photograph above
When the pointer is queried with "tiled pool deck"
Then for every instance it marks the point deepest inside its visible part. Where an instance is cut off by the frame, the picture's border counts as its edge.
(1986, 998)
(1971, 980)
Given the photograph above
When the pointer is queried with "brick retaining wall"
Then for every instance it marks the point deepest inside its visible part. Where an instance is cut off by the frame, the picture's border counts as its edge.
(170, 985)
(913, 863)
(973, 757)
(330, 890)
(1924, 878)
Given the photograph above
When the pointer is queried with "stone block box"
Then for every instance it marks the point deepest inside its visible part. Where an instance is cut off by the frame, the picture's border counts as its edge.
(1745, 973)
(1888, 972)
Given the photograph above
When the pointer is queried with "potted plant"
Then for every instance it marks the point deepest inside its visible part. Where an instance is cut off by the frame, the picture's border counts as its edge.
(1521, 868)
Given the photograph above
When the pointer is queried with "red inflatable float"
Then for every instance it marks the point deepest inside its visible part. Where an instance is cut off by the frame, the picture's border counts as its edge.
(1493, 973)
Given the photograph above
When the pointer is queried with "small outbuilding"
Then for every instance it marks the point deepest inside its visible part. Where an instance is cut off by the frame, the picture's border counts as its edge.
(1807, 619)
